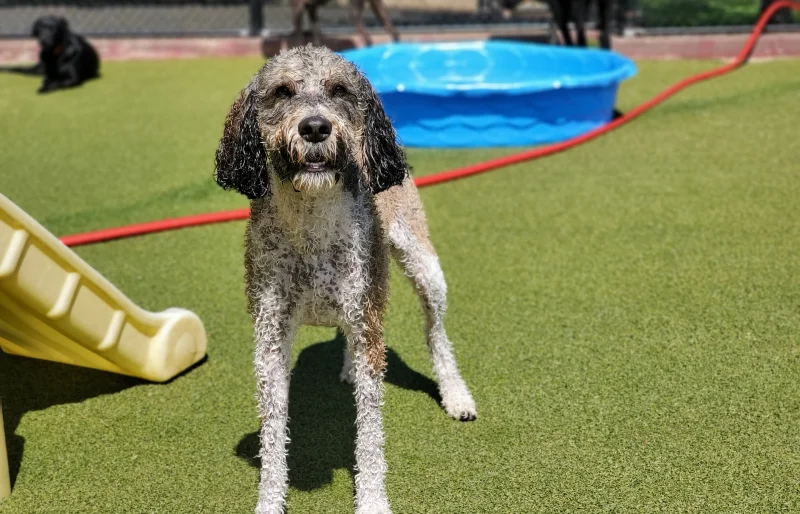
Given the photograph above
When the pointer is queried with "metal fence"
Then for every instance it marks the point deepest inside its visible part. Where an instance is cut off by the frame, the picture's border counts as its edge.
(118, 18)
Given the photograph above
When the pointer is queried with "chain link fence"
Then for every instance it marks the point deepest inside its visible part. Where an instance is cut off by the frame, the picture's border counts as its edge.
(123, 18)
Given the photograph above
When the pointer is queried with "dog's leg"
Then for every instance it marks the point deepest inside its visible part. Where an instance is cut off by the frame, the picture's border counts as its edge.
(604, 22)
(357, 19)
(368, 363)
(380, 12)
(561, 14)
(68, 78)
(579, 12)
(316, 35)
(275, 329)
(36, 69)
(416, 256)
(297, 18)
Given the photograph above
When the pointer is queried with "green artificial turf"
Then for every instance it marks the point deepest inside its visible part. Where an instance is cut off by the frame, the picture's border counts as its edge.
(627, 314)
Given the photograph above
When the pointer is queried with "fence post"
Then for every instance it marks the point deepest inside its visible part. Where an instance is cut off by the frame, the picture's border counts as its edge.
(256, 18)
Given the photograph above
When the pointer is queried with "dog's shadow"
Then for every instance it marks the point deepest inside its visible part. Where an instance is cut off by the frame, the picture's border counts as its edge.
(322, 414)
(31, 384)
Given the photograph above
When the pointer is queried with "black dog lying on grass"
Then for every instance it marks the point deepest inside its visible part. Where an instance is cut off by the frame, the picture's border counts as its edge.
(66, 59)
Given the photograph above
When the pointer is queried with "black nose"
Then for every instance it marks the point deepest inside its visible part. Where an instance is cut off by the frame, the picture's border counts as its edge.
(315, 129)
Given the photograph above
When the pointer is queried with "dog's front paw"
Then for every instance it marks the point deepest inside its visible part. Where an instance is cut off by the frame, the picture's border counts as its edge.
(269, 509)
(458, 402)
(374, 508)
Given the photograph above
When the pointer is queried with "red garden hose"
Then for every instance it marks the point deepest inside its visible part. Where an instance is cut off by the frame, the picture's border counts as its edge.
(445, 176)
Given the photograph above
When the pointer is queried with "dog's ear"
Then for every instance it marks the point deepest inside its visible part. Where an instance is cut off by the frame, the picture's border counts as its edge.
(241, 161)
(382, 154)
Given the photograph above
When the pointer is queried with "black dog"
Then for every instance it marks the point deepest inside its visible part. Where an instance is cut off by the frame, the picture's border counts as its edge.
(66, 59)
(565, 11)
(576, 11)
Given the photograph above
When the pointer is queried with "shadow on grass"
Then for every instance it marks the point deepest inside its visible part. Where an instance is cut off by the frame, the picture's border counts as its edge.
(28, 385)
(322, 414)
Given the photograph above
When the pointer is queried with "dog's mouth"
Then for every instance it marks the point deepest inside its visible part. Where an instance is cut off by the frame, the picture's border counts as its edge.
(315, 166)
(314, 174)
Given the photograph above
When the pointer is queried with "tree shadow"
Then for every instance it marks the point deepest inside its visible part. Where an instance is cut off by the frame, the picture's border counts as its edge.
(322, 414)
(31, 384)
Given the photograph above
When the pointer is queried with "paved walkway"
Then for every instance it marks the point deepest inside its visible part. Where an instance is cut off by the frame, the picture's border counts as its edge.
(663, 47)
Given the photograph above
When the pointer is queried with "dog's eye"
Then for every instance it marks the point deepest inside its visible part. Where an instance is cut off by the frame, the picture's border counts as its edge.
(338, 90)
(283, 92)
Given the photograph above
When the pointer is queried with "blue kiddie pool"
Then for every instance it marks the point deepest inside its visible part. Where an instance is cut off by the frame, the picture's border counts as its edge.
(492, 93)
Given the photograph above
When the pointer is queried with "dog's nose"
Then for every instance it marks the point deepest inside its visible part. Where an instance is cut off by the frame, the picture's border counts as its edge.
(315, 129)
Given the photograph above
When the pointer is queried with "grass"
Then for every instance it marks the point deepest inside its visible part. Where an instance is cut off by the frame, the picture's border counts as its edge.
(627, 313)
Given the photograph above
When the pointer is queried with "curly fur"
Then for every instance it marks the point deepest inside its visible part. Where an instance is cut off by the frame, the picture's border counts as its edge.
(326, 213)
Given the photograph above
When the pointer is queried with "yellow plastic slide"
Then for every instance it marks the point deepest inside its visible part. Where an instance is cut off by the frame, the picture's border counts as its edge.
(56, 307)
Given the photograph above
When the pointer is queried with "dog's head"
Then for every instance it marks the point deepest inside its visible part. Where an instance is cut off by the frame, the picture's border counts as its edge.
(50, 31)
(309, 117)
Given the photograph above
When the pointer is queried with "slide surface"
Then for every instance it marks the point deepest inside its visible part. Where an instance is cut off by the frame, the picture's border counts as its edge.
(54, 306)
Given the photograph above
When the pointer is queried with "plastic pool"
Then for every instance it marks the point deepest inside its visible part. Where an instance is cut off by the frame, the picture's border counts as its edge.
(473, 94)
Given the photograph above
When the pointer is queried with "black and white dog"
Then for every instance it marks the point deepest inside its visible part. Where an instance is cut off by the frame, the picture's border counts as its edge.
(66, 59)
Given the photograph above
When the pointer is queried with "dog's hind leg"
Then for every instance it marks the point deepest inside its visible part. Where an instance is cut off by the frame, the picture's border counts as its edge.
(580, 12)
(316, 34)
(298, 6)
(380, 12)
(36, 69)
(274, 332)
(357, 19)
(604, 22)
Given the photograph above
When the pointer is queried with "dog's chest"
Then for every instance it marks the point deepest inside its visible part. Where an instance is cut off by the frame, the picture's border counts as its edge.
(318, 256)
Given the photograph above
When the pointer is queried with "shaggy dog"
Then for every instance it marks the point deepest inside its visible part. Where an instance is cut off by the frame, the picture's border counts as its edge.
(309, 143)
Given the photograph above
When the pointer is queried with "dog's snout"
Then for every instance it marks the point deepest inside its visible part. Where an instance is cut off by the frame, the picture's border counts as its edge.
(315, 129)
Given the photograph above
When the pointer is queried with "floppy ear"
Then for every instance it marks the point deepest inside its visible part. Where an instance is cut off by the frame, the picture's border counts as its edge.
(382, 155)
(241, 161)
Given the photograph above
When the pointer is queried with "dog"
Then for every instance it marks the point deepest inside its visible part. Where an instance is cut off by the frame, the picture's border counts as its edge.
(66, 59)
(331, 198)
(356, 17)
(565, 11)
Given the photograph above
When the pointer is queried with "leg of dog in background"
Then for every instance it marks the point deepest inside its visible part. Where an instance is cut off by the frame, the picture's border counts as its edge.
(620, 8)
(604, 22)
(561, 16)
(36, 69)
(579, 13)
(357, 19)
(383, 16)
(298, 7)
(316, 33)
